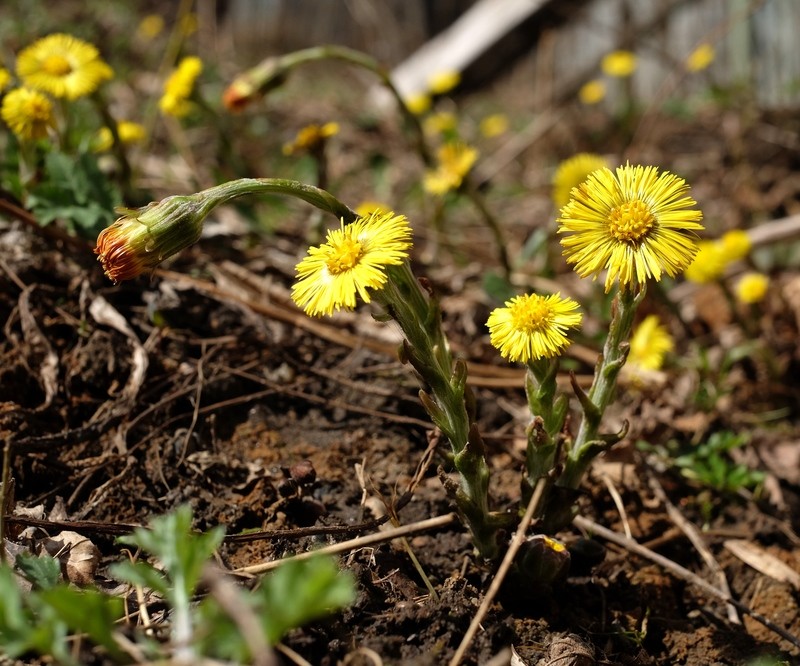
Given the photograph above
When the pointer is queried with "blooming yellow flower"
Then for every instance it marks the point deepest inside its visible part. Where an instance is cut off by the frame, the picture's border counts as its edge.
(752, 287)
(635, 223)
(28, 113)
(418, 104)
(709, 263)
(351, 262)
(531, 326)
(455, 160)
(443, 82)
(63, 66)
(179, 86)
(141, 239)
(5, 78)
(700, 58)
(440, 123)
(619, 63)
(650, 342)
(592, 92)
(310, 137)
(494, 125)
(128, 132)
(736, 244)
(572, 172)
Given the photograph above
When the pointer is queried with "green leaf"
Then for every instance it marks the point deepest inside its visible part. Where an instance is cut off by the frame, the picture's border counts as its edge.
(301, 591)
(43, 572)
(16, 624)
(142, 574)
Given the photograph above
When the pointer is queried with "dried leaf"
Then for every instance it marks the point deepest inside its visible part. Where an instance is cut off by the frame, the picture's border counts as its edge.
(763, 562)
(78, 555)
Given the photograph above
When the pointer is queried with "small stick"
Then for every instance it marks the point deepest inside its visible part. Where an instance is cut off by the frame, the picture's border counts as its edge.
(353, 544)
(677, 570)
(505, 565)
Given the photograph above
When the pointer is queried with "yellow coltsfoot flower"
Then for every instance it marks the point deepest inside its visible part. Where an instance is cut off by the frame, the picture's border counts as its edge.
(63, 66)
(619, 63)
(634, 223)
(650, 342)
(443, 82)
(28, 113)
(531, 326)
(179, 86)
(455, 161)
(311, 137)
(572, 172)
(350, 263)
(751, 288)
(700, 58)
(709, 263)
(592, 92)
(128, 132)
(5, 78)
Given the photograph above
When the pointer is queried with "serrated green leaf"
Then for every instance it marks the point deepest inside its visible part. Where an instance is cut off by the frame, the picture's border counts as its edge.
(44, 571)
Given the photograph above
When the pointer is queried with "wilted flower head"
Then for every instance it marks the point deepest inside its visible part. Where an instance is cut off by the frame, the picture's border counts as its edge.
(443, 82)
(455, 161)
(310, 138)
(635, 223)
(63, 66)
(28, 113)
(700, 58)
(751, 288)
(351, 262)
(592, 92)
(531, 326)
(619, 63)
(572, 172)
(143, 238)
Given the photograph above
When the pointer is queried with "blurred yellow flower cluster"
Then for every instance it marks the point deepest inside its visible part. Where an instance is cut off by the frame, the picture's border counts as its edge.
(179, 86)
(454, 162)
(714, 256)
(311, 137)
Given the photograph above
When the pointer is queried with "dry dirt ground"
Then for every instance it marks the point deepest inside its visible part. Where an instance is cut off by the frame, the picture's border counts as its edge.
(203, 384)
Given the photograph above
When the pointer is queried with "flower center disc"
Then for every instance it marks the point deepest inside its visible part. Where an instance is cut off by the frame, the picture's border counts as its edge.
(344, 256)
(631, 221)
(57, 65)
(531, 315)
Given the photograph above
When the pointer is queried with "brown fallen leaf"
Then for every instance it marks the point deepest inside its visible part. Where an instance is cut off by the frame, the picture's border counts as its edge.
(763, 562)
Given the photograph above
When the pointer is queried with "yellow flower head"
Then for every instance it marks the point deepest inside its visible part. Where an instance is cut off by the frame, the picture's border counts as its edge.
(592, 92)
(700, 58)
(751, 288)
(127, 131)
(443, 82)
(5, 78)
(179, 86)
(143, 238)
(494, 125)
(531, 326)
(455, 160)
(709, 263)
(650, 342)
(63, 66)
(28, 113)
(311, 137)
(736, 244)
(572, 172)
(350, 262)
(635, 223)
(150, 27)
(619, 63)
(418, 104)
(443, 122)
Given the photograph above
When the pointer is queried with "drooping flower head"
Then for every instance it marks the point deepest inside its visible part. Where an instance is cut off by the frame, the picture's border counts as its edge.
(351, 262)
(572, 172)
(751, 288)
(531, 326)
(28, 113)
(635, 223)
(63, 66)
(650, 342)
(455, 159)
(143, 238)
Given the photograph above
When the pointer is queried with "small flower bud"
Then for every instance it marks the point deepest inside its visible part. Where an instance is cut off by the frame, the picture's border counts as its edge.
(143, 238)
